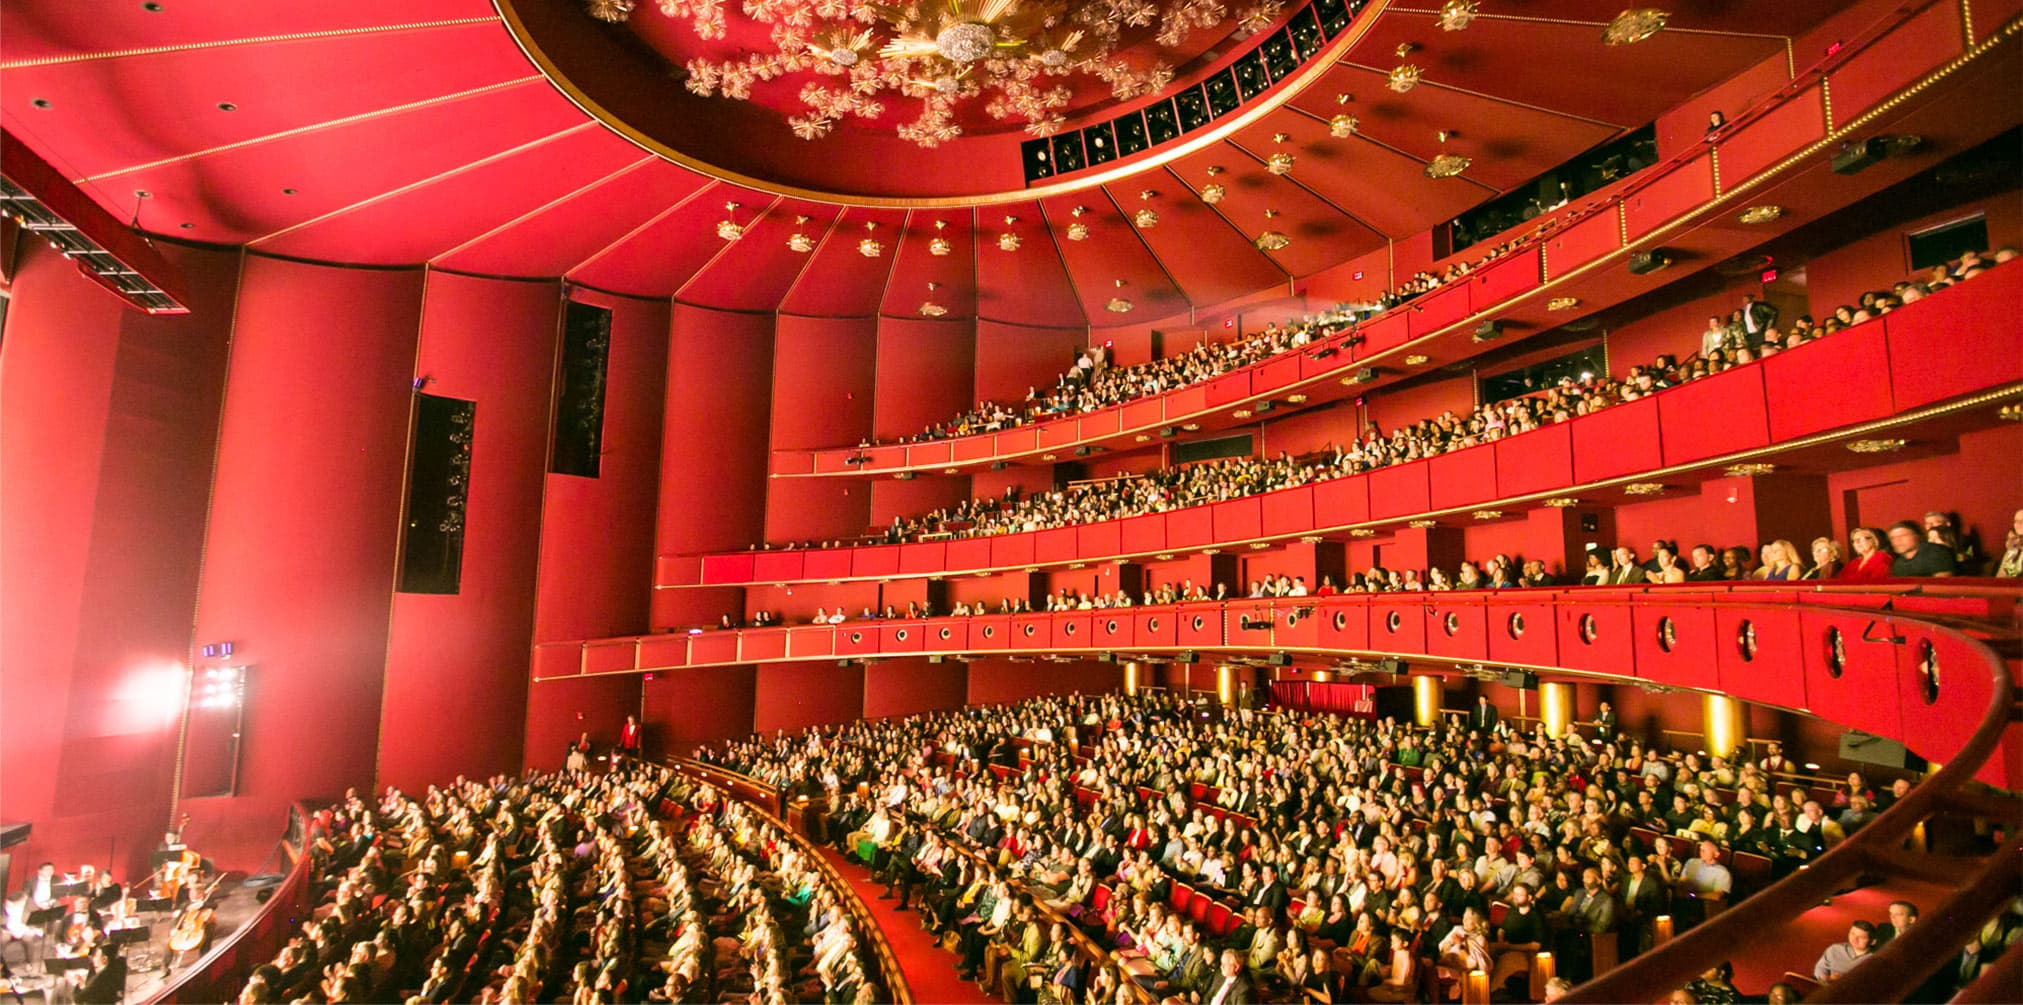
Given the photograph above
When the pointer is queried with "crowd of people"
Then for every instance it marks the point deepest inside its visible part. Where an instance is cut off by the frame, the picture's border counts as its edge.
(1751, 332)
(1359, 860)
(629, 884)
(1095, 382)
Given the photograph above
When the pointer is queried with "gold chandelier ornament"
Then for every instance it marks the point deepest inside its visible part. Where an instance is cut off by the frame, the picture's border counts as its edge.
(1008, 241)
(939, 245)
(1888, 446)
(799, 240)
(1403, 78)
(1280, 163)
(1457, 15)
(1272, 240)
(1342, 126)
(1447, 165)
(729, 229)
(870, 247)
(1644, 488)
(1213, 192)
(1635, 25)
(1017, 61)
(1760, 214)
(1078, 232)
(1145, 219)
(1118, 305)
(1562, 303)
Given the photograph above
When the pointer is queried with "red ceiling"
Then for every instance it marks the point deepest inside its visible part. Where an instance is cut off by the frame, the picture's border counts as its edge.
(414, 131)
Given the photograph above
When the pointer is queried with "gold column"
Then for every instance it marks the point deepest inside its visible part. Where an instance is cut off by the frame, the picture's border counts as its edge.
(1727, 724)
(1225, 685)
(1427, 693)
(1131, 679)
(1555, 707)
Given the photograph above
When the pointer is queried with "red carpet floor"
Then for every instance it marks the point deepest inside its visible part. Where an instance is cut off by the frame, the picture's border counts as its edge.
(930, 971)
(1797, 945)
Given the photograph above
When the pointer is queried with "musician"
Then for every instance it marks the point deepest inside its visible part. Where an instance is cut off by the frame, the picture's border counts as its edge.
(41, 889)
(172, 844)
(107, 983)
(18, 929)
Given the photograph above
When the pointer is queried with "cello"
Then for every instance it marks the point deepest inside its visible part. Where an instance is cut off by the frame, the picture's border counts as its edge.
(193, 927)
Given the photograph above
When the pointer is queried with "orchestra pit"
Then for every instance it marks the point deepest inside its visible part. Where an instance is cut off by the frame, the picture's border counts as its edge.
(1138, 502)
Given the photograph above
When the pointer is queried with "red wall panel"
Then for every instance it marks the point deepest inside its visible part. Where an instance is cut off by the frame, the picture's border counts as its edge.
(1961, 337)
(688, 708)
(299, 563)
(560, 711)
(1778, 134)
(1913, 48)
(1860, 365)
(926, 374)
(712, 446)
(1582, 243)
(790, 696)
(107, 424)
(993, 681)
(1342, 501)
(1536, 461)
(458, 656)
(821, 381)
(1399, 489)
(1617, 441)
(1714, 416)
(1670, 195)
(1463, 477)
(1011, 359)
(912, 686)
(597, 534)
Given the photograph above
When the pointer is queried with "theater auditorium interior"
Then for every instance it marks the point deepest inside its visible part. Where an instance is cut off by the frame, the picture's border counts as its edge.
(1039, 501)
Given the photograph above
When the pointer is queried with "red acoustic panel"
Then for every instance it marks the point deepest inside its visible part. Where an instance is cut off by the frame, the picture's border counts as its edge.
(1850, 671)
(609, 656)
(1238, 520)
(1186, 401)
(1780, 133)
(1342, 501)
(663, 651)
(1595, 635)
(923, 558)
(1457, 630)
(1960, 339)
(1297, 625)
(1759, 652)
(1436, 311)
(1617, 441)
(1096, 425)
(791, 462)
(1943, 688)
(1714, 416)
(1463, 477)
(902, 637)
(726, 569)
(1288, 511)
(969, 554)
(713, 648)
(1522, 632)
(677, 570)
(1685, 187)
(1032, 631)
(882, 458)
(1538, 461)
(1144, 414)
(1229, 389)
(1189, 528)
(1583, 242)
(949, 636)
(1017, 441)
(1275, 374)
(990, 633)
(1059, 433)
(827, 563)
(1011, 551)
(1113, 630)
(974, 448)
(1100, 540)
(881, 560)
(929, 455)
(1200, 625)
(777, 566)
(1142, 535)
(1400, 489)
(804, 643)
(1508, 278)
(1156, 627)
(834, 461)
(762, 644)
(1675, 644)
(1895, 60)
(1860, 365)
(1345, 624)
(1071, 631)
(1387, 332)
(1055, 545)
(1398, 625)
(561, 659)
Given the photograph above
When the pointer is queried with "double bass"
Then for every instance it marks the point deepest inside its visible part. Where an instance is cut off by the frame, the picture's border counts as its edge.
(193, 927)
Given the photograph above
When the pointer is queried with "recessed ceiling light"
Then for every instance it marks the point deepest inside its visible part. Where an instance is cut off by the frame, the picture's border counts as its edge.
(40, 102)
(151, 7)
(226, 106)
(189, 226)
(141, 193)
(287, 191)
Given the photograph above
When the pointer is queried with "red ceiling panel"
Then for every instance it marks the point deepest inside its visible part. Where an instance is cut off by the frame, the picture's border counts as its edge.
(1206, 253)
(552, 239)
(754, 273)
(1324, 231)
(1113, 263)
(1031, 287)
(969, 235)
(657, 259)
(841, 281)
(427, 220)
(237, 195)
(68, 29)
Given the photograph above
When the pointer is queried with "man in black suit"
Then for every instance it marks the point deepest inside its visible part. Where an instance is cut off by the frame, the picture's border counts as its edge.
(108, 979)
(1483, 718)
(1606, 723)
(1644, 897)
(1271, 893)
(1230, 987)
(1706, 565)
(1757, 317)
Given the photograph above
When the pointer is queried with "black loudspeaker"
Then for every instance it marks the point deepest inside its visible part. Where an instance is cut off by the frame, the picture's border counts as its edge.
(1365, 375)
(1264, 406)
(937, 658)
(579, 396)
(1868, 748)
(1393, 702)
(438, 485)
(842, 663)
(1169, 432)
(1856, 156)
(1082, 451)
(1190, 656)
(1521, 680)
(1488, 330)
(1646, 262)
(904, 476)
(1391, 665)
(1280, 659)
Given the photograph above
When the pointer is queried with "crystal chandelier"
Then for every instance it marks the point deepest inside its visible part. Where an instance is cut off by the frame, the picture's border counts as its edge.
(1014, 59)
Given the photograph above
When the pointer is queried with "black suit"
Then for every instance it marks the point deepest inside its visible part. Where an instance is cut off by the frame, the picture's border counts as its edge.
(106, 986)
(1273, 896)
(1606, 724)
(1238, 992)
(1483, 717)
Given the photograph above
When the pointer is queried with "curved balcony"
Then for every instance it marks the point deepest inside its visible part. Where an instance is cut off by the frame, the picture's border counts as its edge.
(223, 969)
(1784, 136)
(1947, 362)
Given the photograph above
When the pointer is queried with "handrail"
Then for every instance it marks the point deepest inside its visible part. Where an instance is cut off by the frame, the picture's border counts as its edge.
(1782, 417)
(224, 967)
(893, 977)
(1802, 80)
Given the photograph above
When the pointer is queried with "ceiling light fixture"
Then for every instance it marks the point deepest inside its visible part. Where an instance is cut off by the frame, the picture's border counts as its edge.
(1487, 514)
(1280, 163)
(1562, 502)
(1423, 524)
(1342, 126)
(1447, 165)
(1748, 470)
(1634, 25)
(939, 245)
(1760, 214)
(1877, 446)
(1212, 193)
(1297, 399)
(1416, 358)
(1643, 488)
(729, 229)
(1404, 76)
(1272, 240)
(1078, 232)
(799, 240)
(1562, 303)
(1363, 532)
(1457, 15)
(869, 247)
(613, 11)
(1118, 305)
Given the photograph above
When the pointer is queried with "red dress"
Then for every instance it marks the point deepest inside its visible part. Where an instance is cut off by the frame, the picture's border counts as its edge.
(1873, 569)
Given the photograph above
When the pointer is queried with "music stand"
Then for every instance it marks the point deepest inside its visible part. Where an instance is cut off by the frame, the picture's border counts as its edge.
(107, 896)
(58, 964)
(45, 917)
(72, 888)
(145, 905)
(124, 937)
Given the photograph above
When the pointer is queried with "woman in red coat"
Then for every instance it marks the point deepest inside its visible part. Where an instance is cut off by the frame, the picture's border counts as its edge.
(1871, 562)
